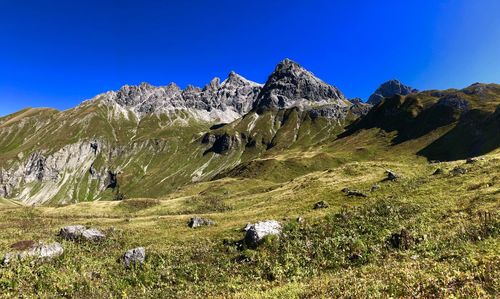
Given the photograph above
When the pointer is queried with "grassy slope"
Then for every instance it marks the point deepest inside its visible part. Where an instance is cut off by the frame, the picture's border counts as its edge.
(459, 255)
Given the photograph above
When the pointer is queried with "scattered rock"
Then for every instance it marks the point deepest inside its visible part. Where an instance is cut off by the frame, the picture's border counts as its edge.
(458, 170)
(321, 205)
(350, 192)
(197, 222)
(470, 161)
(300, 219)
(259, 230)
(402, 240)
(134, 257)
(391, 175)
(80, 232)
(374, 188)
(38, 251)
(438, 171)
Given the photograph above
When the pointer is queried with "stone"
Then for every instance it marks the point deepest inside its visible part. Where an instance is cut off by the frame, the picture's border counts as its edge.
(374, 188)
(458, 170)
(470, 161)
(37, 251)
(321, 205)
(80, 232)
(391, 175)
(402, 240)
(134, 257)
(438, 171)
(198, 222)
(258, 231)
(350, 192)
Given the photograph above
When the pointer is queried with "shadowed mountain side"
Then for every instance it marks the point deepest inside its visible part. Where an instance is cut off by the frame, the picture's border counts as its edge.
(470, 113)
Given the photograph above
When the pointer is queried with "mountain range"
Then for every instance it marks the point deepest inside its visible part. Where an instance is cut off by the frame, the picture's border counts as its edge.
(147, 141)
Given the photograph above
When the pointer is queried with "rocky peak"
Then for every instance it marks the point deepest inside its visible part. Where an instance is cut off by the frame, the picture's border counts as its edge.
(389, 89)
(290, 85)
(214, 85)
(235, 80)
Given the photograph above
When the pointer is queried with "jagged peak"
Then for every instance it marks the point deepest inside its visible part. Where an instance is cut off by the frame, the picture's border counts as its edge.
(192, 88)
(292, 85)
(236, 79)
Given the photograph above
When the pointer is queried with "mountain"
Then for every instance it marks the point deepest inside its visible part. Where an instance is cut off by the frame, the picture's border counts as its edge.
(469, 118)
(389, 89)
(222, 102)
(290, 85)
(147, 141)
(396, 200)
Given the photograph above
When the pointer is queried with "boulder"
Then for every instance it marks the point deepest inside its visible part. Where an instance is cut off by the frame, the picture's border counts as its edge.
(350, 192)
(374, 188)
(80, 232)
(438, 171)
(38, 251)
(470, 161)
(458, 170)
(134, 257)
(197, 222)
(321, 205)
(402, 240)
(259, 230)
(391, 175)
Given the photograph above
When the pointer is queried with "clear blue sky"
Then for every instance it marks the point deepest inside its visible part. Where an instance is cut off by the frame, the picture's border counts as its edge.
(58, 53)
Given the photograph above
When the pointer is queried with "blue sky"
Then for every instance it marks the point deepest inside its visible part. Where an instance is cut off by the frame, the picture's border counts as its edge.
(58, 53)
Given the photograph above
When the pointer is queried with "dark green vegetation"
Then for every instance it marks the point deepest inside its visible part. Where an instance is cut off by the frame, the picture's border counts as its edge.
(422, 235)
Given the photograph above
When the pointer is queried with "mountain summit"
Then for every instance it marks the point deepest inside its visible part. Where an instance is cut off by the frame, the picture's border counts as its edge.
(290, 85)
(389, 89)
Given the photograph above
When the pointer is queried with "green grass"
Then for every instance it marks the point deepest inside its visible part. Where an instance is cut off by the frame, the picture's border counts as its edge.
(339, 251)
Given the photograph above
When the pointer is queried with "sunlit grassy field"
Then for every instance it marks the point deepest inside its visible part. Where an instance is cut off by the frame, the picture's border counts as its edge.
(453, 248)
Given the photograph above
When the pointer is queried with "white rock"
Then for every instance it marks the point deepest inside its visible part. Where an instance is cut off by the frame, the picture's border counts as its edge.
(256, 232)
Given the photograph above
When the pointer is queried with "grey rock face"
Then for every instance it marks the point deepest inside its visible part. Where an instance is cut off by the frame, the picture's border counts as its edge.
(135, 256)
(39, 252)
(217, 101)
(259, 230)
(197, 222)
(73, 159)
(389, 89)
(80, 232)
(290, 85)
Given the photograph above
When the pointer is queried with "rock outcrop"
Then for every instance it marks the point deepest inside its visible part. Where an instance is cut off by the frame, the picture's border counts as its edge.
(198, 222)
(216, 102)
(80, 232)
(134, 257)
(389, 89)
(37, 251)
(258, 231)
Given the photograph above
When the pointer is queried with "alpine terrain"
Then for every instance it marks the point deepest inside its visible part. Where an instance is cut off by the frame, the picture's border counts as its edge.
(245, 190)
